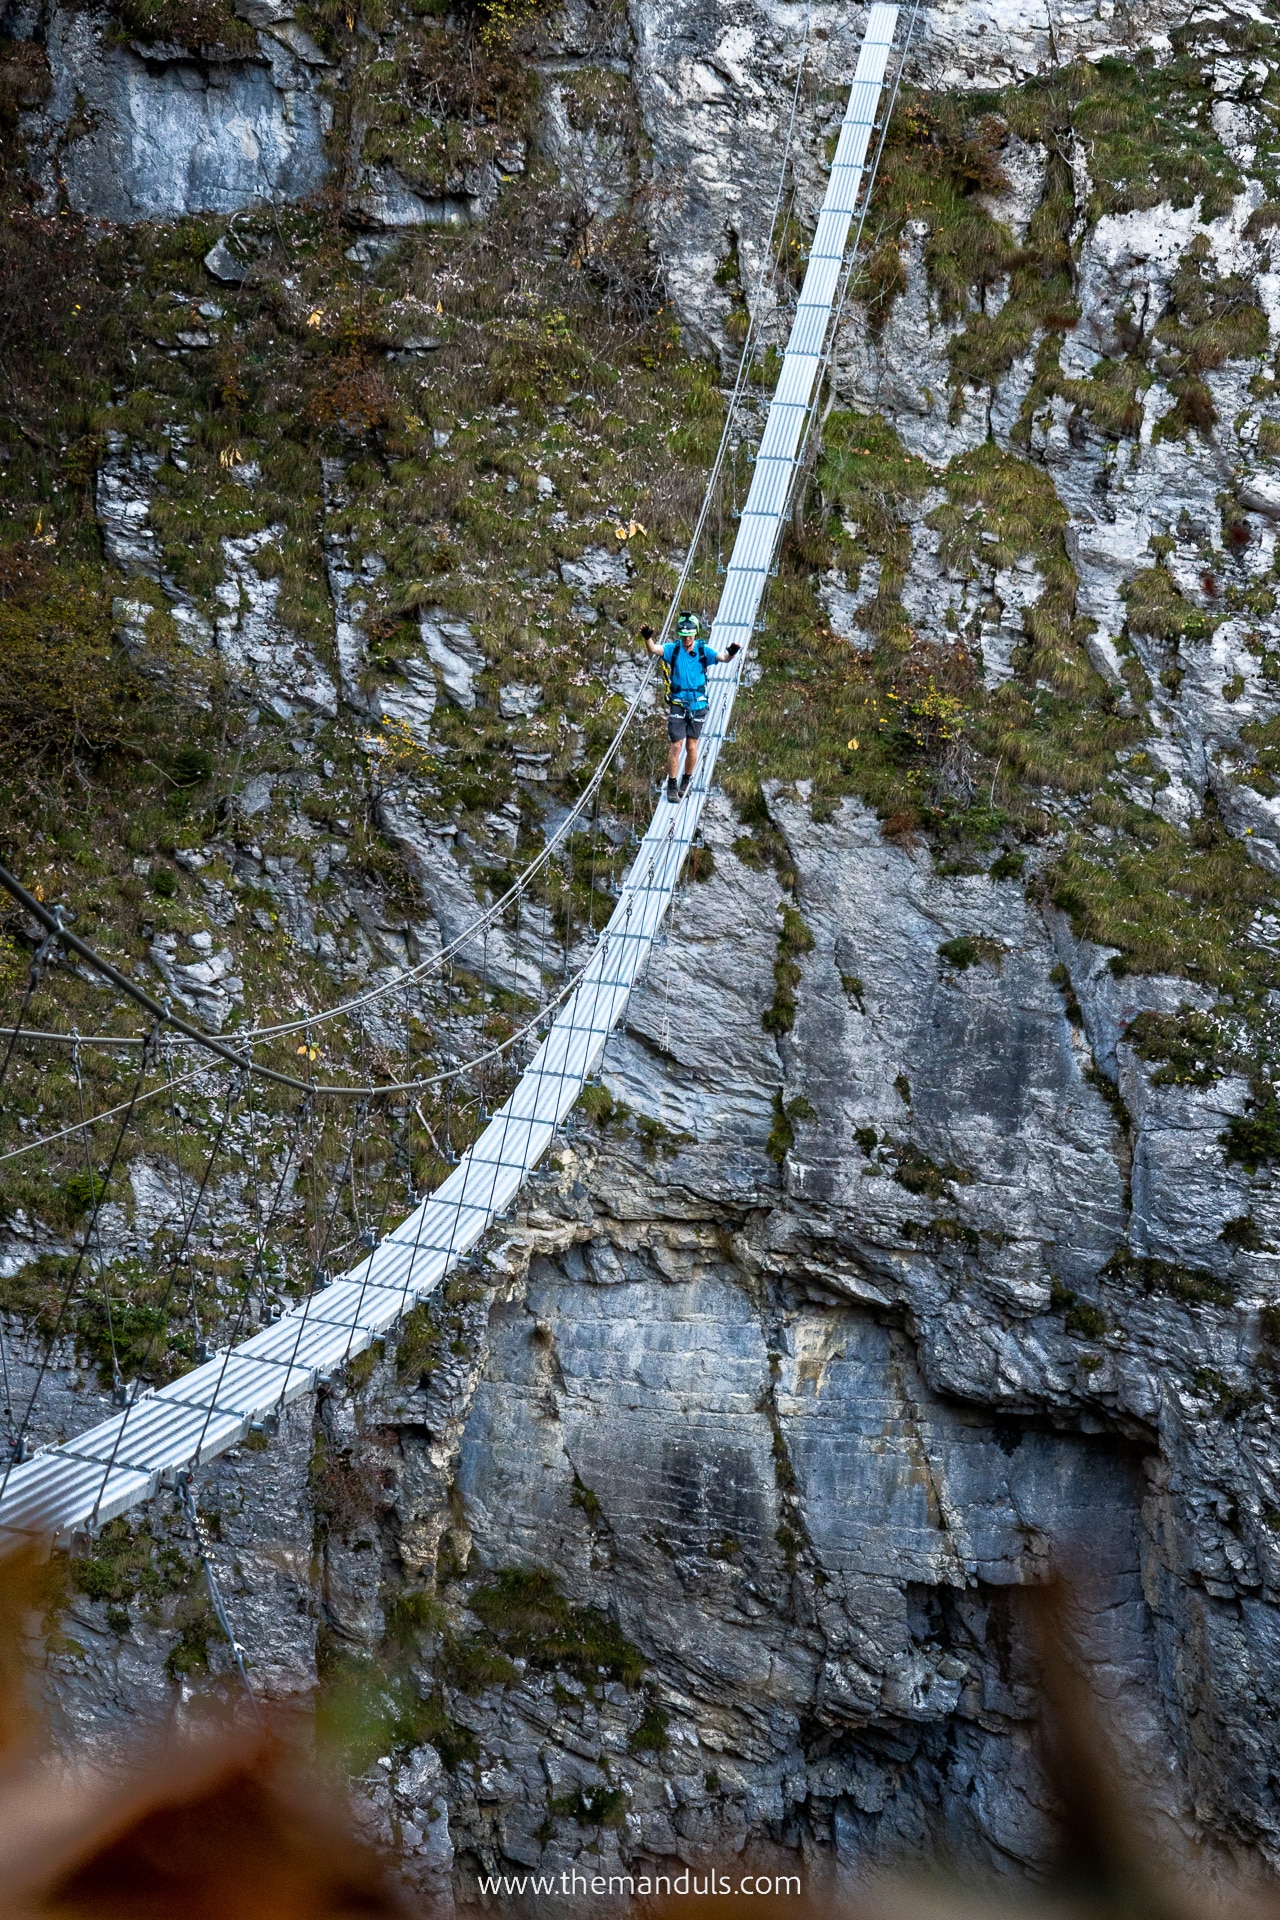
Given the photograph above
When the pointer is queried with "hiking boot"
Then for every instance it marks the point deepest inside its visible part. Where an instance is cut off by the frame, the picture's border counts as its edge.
(684, 785)
(672, 793)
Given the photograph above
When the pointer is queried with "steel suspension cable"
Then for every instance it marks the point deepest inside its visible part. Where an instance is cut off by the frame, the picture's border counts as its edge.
(362, 1092)
(96, 1119)
(175, 1262)
(318, 1266)
(255, 1270)
(116, 1378)
(69, 1289)
(53, 933)
(204, 1549)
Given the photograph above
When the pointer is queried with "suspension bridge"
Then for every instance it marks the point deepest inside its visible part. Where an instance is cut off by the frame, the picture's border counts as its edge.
(158, 1437)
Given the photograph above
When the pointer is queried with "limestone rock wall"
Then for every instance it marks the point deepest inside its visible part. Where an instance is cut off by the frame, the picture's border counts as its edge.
(808, 1362)
(811, 1447)
(134, 131)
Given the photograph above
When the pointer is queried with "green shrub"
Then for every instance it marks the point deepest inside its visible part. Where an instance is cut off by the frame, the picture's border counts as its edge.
(409, 1614)
(68, 691)
(1193, 1285)
(198, 1628)
(1253, 1138)
(649, 1735)
(1085, 1319)
(82, 1191)
(598, 1104)
(916, 1172)
(472, 1667)
(654, 1137)
(1156, 607)
(127, 1564)
(592, 1806)
(192, 766)
(585, 1498)
(1210, 318)
(781, 1134)
(1172, 902)
(418, 1347)
(364, 1710)
(971, 950)
(197, 24)
(529, 1618)
(794, 939)
(1193, 1047)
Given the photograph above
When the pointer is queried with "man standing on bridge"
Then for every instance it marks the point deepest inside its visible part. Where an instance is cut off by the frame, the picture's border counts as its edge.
(684, 671)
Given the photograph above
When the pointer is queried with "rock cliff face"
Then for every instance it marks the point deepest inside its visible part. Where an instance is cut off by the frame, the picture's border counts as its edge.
(844, 1435)
(140, 131)
(899, 1266)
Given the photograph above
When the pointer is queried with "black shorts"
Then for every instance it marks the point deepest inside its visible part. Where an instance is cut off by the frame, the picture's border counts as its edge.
(682, 725)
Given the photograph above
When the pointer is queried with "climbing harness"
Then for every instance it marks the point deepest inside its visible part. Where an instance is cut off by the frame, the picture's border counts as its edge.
(693, 703)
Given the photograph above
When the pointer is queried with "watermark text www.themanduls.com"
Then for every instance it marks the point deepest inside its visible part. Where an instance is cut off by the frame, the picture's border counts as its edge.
(630, 1886)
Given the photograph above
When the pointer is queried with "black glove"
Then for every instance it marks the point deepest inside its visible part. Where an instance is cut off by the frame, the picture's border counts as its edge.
(646, 633)
(733, 651)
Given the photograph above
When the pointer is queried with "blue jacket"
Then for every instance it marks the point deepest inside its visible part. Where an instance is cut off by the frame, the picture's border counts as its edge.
(686, 674)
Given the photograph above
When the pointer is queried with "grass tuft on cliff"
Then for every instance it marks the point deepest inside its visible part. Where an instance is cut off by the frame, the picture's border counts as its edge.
(530, 1619)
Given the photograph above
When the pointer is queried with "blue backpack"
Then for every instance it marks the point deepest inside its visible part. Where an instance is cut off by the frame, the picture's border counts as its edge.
(692, 698)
